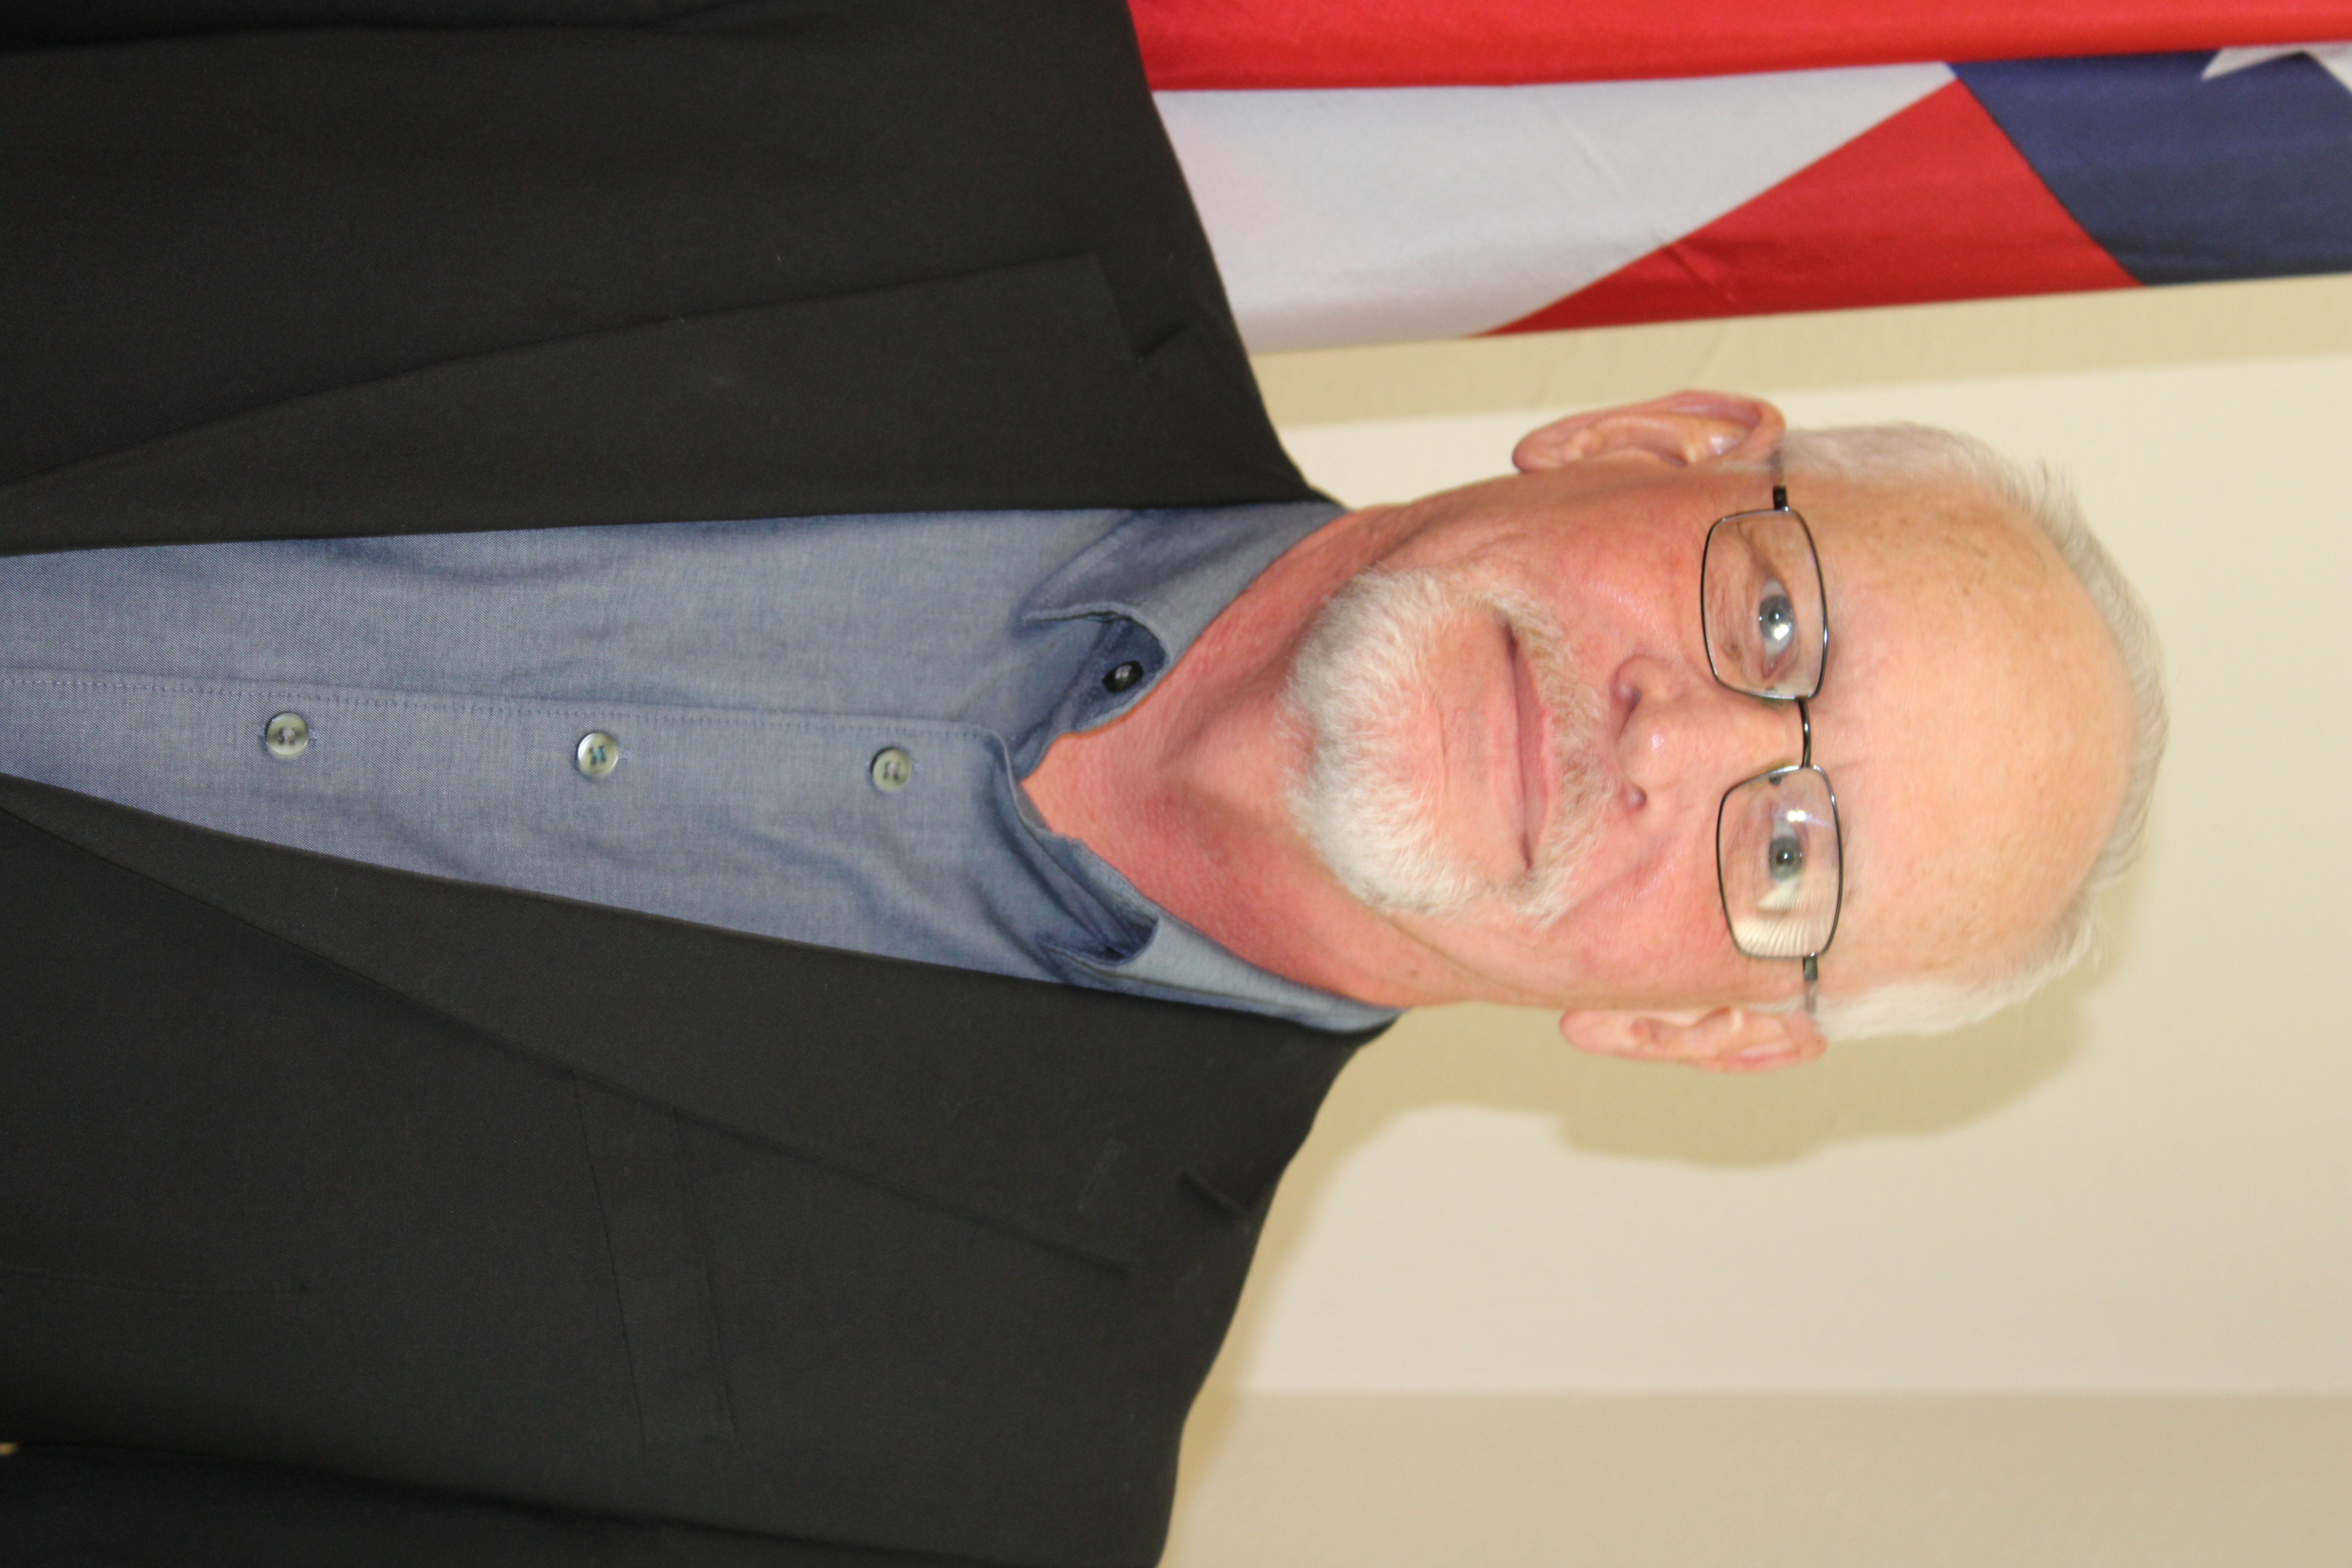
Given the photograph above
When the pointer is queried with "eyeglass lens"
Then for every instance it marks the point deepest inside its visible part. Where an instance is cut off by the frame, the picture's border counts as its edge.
(1777, 853)
(1761, 595)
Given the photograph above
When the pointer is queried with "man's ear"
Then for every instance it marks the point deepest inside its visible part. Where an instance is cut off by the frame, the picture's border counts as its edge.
(1682, 431)
(1721, 1039)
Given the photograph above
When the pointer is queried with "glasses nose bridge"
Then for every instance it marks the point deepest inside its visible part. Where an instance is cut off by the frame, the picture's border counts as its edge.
(1770, 729)
(1695, 743)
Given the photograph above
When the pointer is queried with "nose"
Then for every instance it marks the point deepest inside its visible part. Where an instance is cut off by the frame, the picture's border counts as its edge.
(1685, 738)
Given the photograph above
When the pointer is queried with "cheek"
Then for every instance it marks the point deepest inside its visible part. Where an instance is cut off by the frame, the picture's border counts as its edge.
(1649, 924)
(1665, 928)
(1660, 933)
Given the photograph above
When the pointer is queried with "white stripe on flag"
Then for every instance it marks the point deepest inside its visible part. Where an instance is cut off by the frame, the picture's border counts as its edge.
(2336, 59)
(1377, 214)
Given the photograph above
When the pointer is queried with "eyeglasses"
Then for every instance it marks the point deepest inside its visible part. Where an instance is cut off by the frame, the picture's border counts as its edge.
(1778, 851)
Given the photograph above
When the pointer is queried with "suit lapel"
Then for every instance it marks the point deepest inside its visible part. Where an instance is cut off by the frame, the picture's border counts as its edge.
(1009, 388)
(1072, 1117)
(341, 280)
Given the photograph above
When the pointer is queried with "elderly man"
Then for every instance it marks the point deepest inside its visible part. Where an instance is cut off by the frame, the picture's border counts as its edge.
(694, 810)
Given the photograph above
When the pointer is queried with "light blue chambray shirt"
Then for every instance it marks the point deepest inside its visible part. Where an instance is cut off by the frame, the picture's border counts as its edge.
(751, 672)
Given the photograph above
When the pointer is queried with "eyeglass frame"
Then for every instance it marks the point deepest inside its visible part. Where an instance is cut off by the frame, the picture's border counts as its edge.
(1804, 763)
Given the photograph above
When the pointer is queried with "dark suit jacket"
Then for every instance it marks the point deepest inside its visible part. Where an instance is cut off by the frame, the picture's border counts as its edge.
(352, 1216)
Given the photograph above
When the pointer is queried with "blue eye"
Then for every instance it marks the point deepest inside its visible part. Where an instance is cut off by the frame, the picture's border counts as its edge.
(1776, 621)
(1784, 858)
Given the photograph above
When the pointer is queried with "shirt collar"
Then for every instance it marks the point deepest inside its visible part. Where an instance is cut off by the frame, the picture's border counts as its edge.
(1172, 572)
(1175, 962)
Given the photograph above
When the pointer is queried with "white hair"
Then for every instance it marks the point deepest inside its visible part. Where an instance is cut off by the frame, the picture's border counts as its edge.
(1370, 816)
(1913, 454)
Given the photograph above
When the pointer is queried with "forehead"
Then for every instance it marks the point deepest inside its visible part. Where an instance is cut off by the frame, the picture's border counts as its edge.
(1974, 718)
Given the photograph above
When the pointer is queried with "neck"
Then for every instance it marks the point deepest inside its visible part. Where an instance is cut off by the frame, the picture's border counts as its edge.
(1186, 794)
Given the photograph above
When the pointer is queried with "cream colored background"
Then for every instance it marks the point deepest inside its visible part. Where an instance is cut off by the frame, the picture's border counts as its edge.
(2139, 1184)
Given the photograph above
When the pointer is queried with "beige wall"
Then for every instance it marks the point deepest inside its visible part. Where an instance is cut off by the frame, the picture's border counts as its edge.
(2141, 1182)
(1352, 1481)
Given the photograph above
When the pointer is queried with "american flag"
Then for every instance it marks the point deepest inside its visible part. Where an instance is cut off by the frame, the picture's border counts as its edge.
(1378, 170)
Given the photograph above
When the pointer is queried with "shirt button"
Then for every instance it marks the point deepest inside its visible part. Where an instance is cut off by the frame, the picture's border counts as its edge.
(892, 769)
(1122, 676)
(286, 734)
(598, 754)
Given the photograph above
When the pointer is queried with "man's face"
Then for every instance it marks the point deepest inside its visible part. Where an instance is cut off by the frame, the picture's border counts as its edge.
(1554, 704)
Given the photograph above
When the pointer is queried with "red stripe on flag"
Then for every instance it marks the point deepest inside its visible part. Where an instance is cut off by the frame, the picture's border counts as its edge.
(1931, 204)
(1447, 43)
